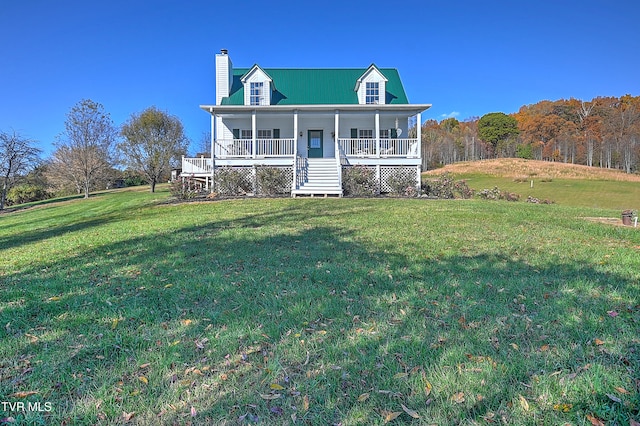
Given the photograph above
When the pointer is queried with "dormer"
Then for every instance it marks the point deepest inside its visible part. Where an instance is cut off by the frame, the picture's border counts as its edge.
(371, 87)
(258, 86)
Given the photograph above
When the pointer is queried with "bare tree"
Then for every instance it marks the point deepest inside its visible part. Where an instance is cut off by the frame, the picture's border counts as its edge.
(153, 140)
(17, 157)
(84, 152)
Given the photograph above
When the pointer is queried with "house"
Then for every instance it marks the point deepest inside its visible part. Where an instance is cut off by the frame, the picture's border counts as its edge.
(312, 124)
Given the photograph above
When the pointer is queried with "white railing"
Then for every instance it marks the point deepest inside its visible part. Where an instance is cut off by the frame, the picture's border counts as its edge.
(196, 165)
(367, 148)
(243, 148)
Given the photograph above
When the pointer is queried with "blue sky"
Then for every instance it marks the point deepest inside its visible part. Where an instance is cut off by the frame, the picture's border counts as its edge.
(467, 58)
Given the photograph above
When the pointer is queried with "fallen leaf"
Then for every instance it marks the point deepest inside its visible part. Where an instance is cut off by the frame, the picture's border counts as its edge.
(8, 420)
(523, 403)
(305, 403)
(143, 380)
(631, 421)
(390, 416)
(613, 398)
(458, 398)
(612, 314)
(114, 323)
(270, 396)
(143, 366)
(54, 298)
(514, 346)
(598, 342)
(594, 420)
(128, 416)
(410, 412)
(168, 285)
(400, 375)
(544, 348)
(193, 412)
(621, 390)
(276, 386)
(363, 397)
(186, 322)
(23, 394)
(427, 384)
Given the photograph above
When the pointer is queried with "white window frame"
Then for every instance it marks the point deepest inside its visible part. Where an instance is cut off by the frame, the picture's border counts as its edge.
(384, 133)
(372, 93)
(246, 134)
(256, 94)
(264, 134)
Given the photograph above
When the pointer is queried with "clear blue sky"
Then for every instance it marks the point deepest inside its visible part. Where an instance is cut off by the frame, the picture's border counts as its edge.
(467, 58)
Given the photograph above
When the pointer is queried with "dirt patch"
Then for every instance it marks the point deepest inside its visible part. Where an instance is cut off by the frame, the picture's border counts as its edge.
(608, 220)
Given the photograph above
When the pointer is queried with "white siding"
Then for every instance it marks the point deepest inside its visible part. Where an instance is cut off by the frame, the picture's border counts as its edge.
(224, 76)
(257, 76)
(372, 76)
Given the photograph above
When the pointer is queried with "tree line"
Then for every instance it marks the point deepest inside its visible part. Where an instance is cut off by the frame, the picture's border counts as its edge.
(90, 154)
(603, 132)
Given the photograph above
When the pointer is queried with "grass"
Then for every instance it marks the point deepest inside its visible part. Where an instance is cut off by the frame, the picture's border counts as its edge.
(123, 308)
(566, 184)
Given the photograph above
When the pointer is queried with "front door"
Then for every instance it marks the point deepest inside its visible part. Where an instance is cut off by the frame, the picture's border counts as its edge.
(315, 144)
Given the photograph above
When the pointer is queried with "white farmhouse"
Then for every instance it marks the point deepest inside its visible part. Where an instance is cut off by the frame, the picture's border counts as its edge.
(312, 124)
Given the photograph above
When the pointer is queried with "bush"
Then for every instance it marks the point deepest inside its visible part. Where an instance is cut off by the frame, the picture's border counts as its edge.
(497, 194)
(272, 181)
(232, 182)
(26, 193)
(359, 181)
(402, 184)
(185, 190)
(446, 187)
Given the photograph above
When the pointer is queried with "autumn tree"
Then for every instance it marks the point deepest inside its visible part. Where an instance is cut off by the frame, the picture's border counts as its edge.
(153, 140)
(85, 150)
(18, 156)
(498, 129)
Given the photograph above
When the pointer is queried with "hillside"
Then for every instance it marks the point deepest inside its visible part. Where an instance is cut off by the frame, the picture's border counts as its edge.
(518, 168)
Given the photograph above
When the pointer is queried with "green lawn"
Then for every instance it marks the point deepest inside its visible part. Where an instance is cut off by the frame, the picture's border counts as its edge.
(575, 192)
(317, 311)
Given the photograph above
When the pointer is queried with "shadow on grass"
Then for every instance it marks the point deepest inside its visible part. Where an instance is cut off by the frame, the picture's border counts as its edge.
(271, 316)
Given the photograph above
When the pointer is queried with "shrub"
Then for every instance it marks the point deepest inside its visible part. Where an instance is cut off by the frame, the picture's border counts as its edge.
(446, 187)
(26, 193)
(359, 181)
(402, 184)
(497, 194)
(272, 181)
(185, 190)
(232, 182)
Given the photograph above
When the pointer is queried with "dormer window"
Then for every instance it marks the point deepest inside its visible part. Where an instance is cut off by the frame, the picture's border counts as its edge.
(372, 95)
(257, 93)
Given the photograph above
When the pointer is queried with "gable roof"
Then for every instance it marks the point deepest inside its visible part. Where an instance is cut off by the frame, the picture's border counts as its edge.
(317, 86)
(369, 70)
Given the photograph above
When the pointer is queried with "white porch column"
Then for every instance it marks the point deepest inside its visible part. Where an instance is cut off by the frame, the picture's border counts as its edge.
(336, 132)
(294, 184)
(254, 132)
(419, 135)
(214, 137)
(377, 135)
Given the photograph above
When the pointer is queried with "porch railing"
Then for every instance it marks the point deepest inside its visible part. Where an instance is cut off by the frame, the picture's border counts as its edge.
(196, 165)
(244, 148)
(367, 148)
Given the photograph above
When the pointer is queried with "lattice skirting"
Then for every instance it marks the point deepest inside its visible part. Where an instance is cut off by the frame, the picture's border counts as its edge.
(386, 175)
(257, 180)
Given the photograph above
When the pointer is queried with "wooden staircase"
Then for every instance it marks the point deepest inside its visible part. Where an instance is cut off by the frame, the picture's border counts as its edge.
(321, 179)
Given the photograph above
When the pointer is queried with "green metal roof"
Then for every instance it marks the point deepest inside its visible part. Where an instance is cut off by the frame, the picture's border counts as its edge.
(317, 86)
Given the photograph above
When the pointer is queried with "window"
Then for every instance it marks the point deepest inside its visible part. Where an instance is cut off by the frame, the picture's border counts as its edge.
(365, 134)
(245, 134)
(384, 133)
(372, 95)
(257, 93)
(264, 134)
